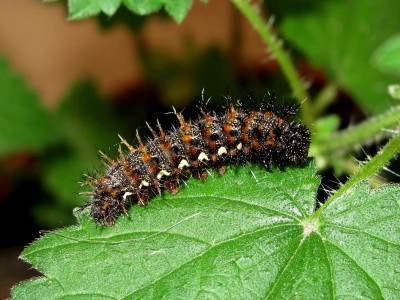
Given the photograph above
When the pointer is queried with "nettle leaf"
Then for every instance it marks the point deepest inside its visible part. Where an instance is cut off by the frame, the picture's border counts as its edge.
(341, 37)
(360, 232)
(24, 123)
(230, 237)
(80, 9)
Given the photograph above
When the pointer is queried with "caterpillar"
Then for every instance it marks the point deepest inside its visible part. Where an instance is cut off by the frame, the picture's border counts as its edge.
(235, 136)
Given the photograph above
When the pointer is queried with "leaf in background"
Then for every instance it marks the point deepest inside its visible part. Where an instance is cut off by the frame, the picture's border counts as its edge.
(89, 123)
(80, 9)
(109, 7)
(340, 37)
(52, 216)
(122, 16)
(230, 237)
(281, 10)
(325, 127)
(24, 123)
(212, 68)
(387, 56)
(177, 9)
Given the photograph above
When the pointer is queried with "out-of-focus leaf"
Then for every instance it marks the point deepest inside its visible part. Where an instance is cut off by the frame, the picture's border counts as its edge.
(24, 123)
(88, 123)
(122, 16)
(340, 37)
(81, 9)
(387, 56)
(279, 10)
(214, 64)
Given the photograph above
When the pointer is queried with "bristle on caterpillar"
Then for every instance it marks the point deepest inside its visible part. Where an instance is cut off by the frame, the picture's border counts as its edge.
(237, 136)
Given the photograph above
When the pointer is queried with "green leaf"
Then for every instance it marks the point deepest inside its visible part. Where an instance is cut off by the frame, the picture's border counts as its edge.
(230, 237)
(89, 120)
(24, 123)
(122, 16)
(361, 232)
(109, 7)
(143, 7)
(340, 37)
(177, 8)
(88, 123)
(326, 126)
(387, 56)
(80, 9)
(290, 7)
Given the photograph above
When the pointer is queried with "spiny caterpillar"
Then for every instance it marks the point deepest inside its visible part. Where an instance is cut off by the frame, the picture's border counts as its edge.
(236, 136)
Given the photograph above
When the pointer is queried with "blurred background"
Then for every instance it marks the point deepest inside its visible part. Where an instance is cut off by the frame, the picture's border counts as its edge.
(67, 88)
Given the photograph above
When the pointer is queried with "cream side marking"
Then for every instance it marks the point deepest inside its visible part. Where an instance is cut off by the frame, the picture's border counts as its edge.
(163, 173)
(143, 183)
(183, 163)
(203, 156)
(221, 151)
(126, 195)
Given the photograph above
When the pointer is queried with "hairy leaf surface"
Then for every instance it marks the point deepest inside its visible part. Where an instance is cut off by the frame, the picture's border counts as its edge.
(232, 236)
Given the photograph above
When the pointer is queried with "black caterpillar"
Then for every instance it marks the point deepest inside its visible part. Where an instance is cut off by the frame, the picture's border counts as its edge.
(212, 141)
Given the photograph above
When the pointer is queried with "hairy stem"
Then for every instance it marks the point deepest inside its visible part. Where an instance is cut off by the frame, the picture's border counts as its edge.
(380, 160)
(274, 45)
(369, 130)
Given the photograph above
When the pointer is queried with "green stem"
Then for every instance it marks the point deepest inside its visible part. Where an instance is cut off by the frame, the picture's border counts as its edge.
(369, 130)
(274, 45)
(351, 167)
(324, 98)
(391, 149)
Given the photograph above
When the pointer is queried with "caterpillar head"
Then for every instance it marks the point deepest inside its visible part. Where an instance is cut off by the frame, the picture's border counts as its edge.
(294, 143)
